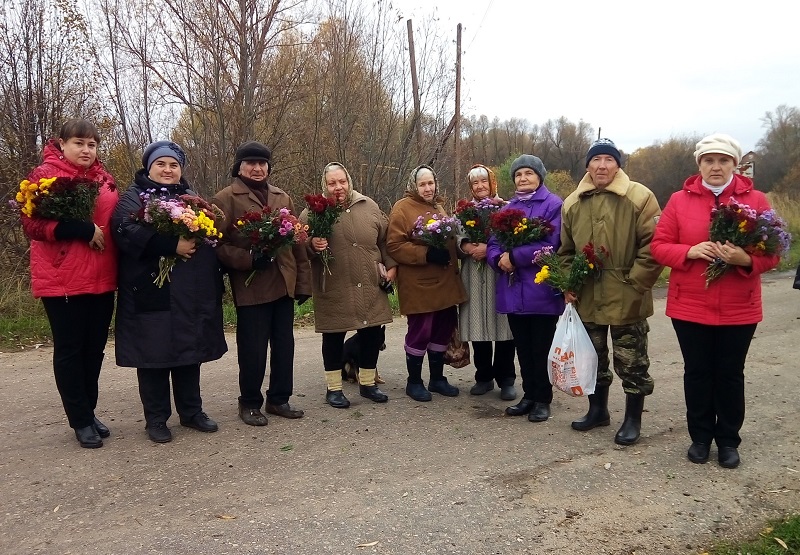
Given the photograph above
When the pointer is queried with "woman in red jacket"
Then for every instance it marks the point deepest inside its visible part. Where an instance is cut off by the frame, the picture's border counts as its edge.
(714, 325)
(74, 272)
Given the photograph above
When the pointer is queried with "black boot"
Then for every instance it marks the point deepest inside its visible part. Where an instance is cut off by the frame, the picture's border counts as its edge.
(628, 433)
(415, 388)
(438, 382)
(598, 411)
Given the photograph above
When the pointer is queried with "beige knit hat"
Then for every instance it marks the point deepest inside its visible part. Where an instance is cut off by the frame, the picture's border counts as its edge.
(719, 143)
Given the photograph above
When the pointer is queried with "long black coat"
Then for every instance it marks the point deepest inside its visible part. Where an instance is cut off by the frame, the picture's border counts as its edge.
(175, 325)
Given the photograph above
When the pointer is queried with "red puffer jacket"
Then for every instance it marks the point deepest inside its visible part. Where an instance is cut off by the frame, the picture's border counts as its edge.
(734, 298)
(64, 268)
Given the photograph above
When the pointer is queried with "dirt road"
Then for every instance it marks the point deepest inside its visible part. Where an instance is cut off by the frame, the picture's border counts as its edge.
(449, 476)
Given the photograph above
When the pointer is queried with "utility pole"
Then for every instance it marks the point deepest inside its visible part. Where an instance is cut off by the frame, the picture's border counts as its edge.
(416, 123)
(457, 118)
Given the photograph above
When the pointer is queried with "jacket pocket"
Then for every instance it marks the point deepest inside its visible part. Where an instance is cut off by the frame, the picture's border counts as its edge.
(147, 296)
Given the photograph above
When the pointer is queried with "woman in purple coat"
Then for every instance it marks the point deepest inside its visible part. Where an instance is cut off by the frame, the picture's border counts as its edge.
(532, 309)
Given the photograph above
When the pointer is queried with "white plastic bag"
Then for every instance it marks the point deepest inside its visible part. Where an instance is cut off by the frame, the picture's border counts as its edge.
(572, 358)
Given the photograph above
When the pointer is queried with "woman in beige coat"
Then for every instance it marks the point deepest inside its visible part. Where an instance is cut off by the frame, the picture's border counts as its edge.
(429, 286)
(349, 296)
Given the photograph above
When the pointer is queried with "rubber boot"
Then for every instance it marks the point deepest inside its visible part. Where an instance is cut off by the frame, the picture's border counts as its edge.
(628, 433)
(438, 383)
(334, 395)
(598, 411)
(415, 388)
(367, 387)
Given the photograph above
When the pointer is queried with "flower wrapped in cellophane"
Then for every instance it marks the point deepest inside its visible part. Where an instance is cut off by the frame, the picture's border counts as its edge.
(757, 233)
(185, 216)
(270, 231)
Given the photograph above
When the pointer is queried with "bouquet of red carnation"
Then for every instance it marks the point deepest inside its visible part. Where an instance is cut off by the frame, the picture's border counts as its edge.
(58, 198)
(474, 217)
(323, 213)
(512, 228)
(185, 216)
(758, 233)
(589, 261)
(434, 230)
(269, 232)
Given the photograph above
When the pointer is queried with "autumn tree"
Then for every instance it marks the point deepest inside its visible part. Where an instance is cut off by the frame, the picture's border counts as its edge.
(778, 164)
(663, 166)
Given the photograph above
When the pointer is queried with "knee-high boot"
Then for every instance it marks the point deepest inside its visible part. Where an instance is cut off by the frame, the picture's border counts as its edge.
(438, 383)
(598, 411)
(628, 433)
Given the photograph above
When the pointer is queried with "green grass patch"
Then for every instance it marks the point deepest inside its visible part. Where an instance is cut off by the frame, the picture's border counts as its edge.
(777, 538)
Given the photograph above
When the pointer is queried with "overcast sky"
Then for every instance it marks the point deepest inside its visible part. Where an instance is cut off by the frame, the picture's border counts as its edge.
(642, 71)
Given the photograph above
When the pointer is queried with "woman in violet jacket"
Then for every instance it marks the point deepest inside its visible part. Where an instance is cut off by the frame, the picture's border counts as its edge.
(714, 325)
(74, 272)
(532, 308)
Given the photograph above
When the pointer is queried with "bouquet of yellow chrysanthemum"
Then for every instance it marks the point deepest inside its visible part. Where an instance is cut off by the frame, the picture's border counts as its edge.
(589, 261)
(58, 198)
(186, 216)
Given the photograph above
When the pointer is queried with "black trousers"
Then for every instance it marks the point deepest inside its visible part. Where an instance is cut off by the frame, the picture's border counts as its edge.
(533, 335)
(369, 340)
(502, 369)
(80, 331)
(154, 392)
(258, 327)
(713, 379)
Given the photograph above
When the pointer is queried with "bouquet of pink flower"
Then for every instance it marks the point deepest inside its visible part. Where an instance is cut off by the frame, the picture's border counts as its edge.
(434, 230)
(323, 213)
(474, 217)
(186, 216)
(269, 232)
(758, 233)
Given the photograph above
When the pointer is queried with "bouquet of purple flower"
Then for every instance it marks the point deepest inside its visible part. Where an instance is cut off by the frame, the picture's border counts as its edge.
(434, 230)
(758, 233)
(474, 217)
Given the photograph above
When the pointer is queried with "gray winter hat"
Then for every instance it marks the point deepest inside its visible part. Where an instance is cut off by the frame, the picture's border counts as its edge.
(529, 161)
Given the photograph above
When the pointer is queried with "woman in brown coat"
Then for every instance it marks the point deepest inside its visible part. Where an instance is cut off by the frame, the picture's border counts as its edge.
(349, 295)
(429, 286)
(265, 308)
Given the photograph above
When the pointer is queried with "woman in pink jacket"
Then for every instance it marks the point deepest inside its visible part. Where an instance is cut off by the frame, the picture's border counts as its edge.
(74, 272)
(714, 325)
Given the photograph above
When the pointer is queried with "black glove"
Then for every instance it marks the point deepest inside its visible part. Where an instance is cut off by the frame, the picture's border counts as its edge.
(261, 262)
(300, 298)
(74, 230)
(438, 256)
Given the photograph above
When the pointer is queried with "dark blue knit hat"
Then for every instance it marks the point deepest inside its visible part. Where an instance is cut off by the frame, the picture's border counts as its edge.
(604, 146)
(160, 149)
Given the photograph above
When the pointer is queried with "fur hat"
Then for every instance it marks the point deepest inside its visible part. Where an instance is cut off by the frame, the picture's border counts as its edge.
(160, 149)
(251, 151)
(529, 161)
(604, 146)
(719, 143)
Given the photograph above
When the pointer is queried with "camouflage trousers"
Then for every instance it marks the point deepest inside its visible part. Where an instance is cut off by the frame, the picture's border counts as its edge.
(631, 362)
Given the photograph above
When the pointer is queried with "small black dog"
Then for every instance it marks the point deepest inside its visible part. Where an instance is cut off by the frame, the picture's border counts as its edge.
(351, 357)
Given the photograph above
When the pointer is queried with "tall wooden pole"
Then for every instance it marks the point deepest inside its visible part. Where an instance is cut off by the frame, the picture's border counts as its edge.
(415, 89)
(457, 131)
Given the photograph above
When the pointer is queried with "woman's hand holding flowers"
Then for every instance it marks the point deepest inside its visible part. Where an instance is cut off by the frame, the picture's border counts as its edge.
(319, 244)
(504, 263)
(705, 250)
(186, 247)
